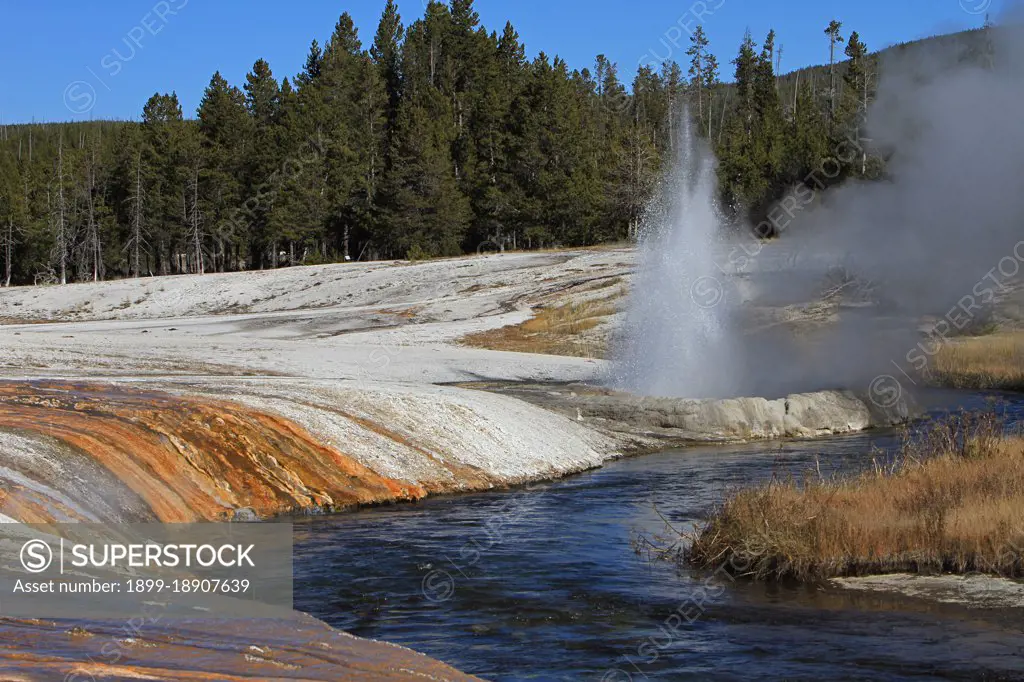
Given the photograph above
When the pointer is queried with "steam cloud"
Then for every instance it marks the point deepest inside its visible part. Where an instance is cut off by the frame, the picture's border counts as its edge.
(940, 237)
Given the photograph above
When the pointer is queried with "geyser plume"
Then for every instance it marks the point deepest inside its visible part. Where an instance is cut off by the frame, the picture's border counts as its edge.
(676, 341)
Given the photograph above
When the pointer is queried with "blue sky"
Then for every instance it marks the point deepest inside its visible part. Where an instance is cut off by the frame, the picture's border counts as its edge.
(65, 60)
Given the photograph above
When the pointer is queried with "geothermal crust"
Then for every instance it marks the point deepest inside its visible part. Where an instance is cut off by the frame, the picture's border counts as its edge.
(215, 448)
(316, 388)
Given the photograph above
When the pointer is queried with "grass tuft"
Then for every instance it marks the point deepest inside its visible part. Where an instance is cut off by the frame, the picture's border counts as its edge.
(950, 502)
(986, 362)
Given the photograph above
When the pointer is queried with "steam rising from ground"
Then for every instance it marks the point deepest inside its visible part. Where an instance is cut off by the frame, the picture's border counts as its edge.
(941, 236)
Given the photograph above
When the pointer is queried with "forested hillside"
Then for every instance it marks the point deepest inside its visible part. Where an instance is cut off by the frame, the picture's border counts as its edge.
(431, 140)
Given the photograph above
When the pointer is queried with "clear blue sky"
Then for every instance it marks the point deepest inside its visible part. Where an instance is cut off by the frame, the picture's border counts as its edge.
(80, 59)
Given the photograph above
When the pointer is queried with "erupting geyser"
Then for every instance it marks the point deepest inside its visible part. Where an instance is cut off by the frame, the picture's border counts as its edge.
(677, 341)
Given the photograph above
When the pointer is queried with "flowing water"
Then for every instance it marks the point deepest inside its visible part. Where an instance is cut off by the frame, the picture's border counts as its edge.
(543, 584)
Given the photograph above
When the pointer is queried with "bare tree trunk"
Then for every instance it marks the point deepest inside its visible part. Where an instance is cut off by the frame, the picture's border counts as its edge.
(700, 98)
(162, 256)
(135, 243)
(721, 123)
(796, 92)
(62, 243)
(197, 225)
(672, 124)
(832, 80)
(863, 152)
(433, 60)
(137, 236)
(372, 188)
(711, 112)
(8, 248)
(778, 67)
(96, 249)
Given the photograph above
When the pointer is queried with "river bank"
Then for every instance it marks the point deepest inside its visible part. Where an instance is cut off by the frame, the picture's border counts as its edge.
(947, 501)
(544, 582)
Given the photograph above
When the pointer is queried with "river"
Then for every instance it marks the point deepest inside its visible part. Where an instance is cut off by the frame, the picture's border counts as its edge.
(544, 584)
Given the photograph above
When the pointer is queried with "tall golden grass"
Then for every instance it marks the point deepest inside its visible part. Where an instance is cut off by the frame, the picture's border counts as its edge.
(984, 362)
(951, 501)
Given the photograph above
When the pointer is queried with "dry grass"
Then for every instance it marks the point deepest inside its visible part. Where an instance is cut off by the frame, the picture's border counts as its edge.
(950, 502)
(604, 283)
(984, 362)
(560, 330)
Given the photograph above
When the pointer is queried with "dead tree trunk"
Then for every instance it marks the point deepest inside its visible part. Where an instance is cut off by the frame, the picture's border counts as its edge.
(8, 242)
(95, 247)
(134, 244)
(62, 242)
(195, 220)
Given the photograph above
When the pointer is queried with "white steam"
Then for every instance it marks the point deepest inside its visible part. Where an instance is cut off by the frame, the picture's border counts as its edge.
(940, 237)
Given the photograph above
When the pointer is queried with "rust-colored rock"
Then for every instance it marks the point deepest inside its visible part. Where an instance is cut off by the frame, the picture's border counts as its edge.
(179, 459)
(299, 649)
(97, 452)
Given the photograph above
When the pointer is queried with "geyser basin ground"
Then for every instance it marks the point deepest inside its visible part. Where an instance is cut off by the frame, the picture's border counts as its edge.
(319, 388)
(213, 449)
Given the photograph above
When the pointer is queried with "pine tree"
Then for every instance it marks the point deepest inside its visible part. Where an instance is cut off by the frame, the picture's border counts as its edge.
(312, 68)
(698, 53)
(386, 50)
(609, 155)
(226, 139)
(856, 98)
(262, 100)
(770, 144)
(746, 63)
(751, 153)
(471, 56)
(497, 201)
(162, 124)
(809, 145)
(711, 83)
(832, 31)
(424, 208)
(355, 97)
(637, 167)
(739, 180)
(386, 55)
(672, 77)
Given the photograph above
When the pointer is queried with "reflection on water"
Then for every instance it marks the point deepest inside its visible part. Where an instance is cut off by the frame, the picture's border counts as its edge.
(544, 585)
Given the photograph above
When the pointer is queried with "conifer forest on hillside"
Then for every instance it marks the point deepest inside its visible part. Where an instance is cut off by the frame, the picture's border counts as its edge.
(437, 138)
